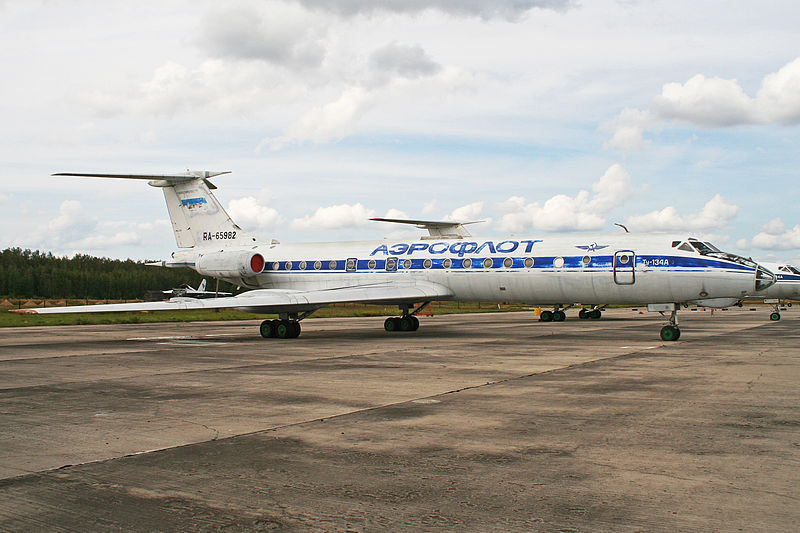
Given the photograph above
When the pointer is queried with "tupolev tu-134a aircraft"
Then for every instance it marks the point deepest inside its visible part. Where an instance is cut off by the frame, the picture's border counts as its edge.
(294, 280)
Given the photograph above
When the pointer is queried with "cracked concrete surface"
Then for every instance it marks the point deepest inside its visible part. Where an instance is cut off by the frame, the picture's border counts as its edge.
(479, 422)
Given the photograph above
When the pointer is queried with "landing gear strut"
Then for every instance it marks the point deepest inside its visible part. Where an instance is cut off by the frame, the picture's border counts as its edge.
(671, 332)
(407, 322)
(775, 315)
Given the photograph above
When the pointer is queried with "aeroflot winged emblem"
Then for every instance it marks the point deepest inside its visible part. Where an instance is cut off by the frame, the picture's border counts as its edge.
(592, 247)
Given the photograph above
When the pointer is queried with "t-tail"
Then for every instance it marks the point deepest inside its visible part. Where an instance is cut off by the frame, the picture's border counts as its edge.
(198, 219)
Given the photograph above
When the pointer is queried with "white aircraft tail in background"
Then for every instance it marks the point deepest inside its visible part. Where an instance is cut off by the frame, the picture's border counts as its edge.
(294, 280)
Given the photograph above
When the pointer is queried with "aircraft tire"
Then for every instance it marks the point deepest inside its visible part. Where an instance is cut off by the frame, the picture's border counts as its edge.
(559, 316)
(267, 329)
(287, 329)
(595, 314)
(546, 316)
(406, 323)
(670, 333)
(391, 324)
(583, 314)
(775, 316)
(415, 322)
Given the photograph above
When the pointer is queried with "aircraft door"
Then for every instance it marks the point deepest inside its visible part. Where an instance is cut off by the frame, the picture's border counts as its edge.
(624, 267)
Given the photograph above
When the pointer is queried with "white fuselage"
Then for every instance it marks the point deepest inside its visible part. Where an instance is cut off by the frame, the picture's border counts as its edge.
(561, 270)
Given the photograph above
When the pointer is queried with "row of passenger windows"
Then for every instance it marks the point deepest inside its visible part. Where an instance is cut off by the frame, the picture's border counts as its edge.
(392, 263)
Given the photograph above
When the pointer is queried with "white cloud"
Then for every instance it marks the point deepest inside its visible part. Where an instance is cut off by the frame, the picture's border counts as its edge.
(582, 212)
(503, 9)
(248, 213)
(3, 198)
(775, 236)
(396, 213)
(716, 214)
(466, 213)
(281, 35)
(404, 61)
(73, 228)
(334, 217)
(430, 207)
(329, 122)
(628, 129)
(715, 103)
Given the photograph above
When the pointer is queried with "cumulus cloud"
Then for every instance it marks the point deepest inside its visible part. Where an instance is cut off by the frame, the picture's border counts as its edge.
(582, 212)
(716, 214)
(325, 123)
(775, 235)
(334, 217)
(281, 36)
(713, 102)
(73, 228)
(248, 213)
(502, 9)
(466, 213)
(628, 129)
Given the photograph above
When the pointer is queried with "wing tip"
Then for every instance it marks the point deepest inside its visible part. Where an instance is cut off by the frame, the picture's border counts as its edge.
(24, 311)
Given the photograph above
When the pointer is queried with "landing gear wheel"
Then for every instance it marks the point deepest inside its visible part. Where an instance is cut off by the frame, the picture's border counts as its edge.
(392, 324)
(595, 314)
(670, 333)
(583, 314)
(287, 329)
(775, 316)
(415, 323)
(406, 323)
(559, 316)
(546, 316)
(267, 329)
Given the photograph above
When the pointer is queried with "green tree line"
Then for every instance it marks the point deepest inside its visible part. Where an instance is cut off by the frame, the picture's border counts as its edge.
(34, 274)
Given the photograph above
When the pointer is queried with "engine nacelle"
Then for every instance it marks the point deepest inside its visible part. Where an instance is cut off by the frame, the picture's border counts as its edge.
(231, 264)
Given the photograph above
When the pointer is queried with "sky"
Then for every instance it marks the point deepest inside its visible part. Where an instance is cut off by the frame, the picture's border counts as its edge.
(535, 116)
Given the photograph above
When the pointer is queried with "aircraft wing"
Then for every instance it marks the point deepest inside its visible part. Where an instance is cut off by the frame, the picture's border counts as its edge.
(276, 300)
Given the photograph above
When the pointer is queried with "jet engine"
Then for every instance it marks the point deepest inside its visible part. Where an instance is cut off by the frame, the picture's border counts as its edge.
(225, 264)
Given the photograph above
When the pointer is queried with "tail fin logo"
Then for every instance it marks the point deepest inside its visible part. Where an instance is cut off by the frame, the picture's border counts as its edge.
(193, 203)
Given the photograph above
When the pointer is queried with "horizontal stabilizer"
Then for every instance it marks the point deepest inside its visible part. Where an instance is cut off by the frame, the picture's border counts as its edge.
(168, 178)
(436, 229)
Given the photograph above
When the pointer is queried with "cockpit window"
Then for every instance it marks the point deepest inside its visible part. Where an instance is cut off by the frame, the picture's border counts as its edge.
(712, 246)
(675, 243)
(784, 269)
(794, 269)
(702, 247)
(686, 248)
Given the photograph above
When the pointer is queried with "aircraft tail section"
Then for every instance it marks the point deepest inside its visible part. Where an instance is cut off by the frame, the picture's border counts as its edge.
(198, 219)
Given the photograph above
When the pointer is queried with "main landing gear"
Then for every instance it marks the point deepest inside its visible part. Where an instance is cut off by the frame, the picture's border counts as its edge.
(558, 314)
(595, 313)
(407, 322)
(281, 329)
(286, 327)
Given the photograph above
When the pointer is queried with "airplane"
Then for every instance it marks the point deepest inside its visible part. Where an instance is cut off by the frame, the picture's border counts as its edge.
(786, 287)
(295, 280)
(187, 291)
